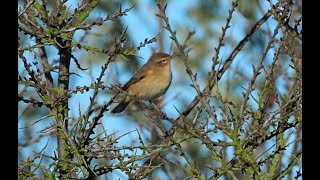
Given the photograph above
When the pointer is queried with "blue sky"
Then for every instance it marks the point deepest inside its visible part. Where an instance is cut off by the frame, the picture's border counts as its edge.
(143, 18)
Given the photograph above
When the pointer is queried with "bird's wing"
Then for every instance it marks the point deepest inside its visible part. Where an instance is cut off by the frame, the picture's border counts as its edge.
(142, 73)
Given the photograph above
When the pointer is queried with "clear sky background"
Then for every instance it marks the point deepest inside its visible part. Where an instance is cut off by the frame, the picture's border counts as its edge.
(142, 23)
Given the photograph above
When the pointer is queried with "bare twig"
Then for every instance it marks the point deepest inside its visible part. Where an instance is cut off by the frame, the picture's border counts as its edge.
(26, 7)
(46, 69)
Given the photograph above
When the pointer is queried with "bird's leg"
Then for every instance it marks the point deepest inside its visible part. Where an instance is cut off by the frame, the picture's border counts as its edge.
(151, 102)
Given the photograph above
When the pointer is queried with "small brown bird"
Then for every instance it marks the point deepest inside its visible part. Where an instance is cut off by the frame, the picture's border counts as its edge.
(150, 82)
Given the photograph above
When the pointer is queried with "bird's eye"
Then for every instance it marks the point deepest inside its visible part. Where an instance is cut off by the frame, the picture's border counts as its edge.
(164, 61)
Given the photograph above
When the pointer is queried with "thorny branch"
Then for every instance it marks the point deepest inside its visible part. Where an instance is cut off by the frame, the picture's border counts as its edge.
(195, 130)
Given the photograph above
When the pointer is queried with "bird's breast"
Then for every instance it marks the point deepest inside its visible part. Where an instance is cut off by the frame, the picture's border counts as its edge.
(153, 85)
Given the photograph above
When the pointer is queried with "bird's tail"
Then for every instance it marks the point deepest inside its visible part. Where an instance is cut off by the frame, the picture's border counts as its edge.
(120, 107)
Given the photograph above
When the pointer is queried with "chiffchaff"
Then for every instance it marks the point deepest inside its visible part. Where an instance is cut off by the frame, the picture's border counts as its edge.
(150, 82)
